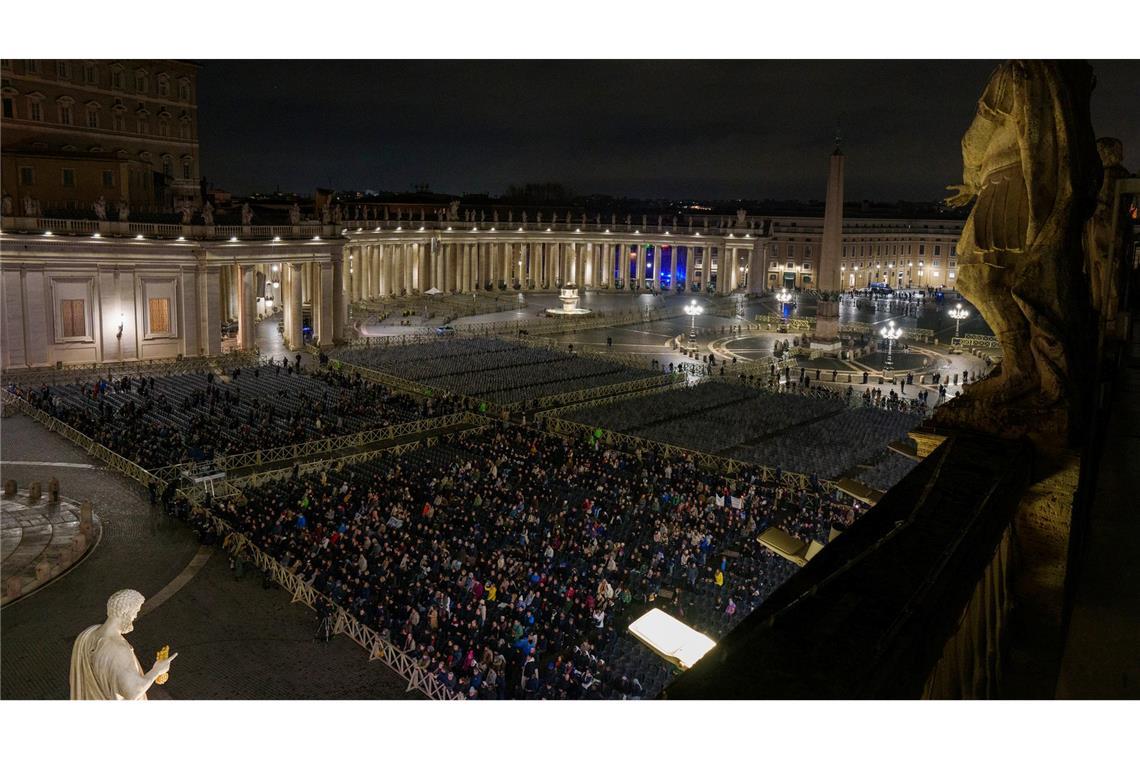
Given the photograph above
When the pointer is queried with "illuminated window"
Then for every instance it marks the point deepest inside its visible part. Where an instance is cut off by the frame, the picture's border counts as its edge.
(73, 318)
(158, 315)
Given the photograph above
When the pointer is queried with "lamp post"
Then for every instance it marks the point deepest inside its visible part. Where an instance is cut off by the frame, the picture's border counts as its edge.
(958, 314)
(693, 309)
(784, 298)
(891, 333)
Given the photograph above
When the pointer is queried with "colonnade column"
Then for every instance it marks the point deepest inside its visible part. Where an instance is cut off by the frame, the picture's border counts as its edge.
(640, 277)
(339, 302)
(410, 250)
(706, 267)
(673, 253)
(606, 268)
(293, 331)
(247, 277)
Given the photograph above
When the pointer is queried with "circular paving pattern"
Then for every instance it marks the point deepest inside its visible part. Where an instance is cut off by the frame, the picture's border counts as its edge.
(41, 540)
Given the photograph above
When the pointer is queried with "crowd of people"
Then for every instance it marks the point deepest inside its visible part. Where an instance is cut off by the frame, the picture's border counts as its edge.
(509, 563)
(157, 421)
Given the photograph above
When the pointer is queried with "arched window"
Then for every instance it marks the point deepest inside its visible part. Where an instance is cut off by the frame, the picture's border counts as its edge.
(142, 121)
(163, 124)
(184, 89)
(92, 109)
(119, 118)
(142, 80)
(117, 77)
(164, 85)
(184, 128)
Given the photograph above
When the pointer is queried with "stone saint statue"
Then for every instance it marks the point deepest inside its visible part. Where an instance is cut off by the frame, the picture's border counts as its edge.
(208, 214)
(495, 216)
(100, 207)
(294, 214)
(7, 208)
(246, 215)
(453, 211)
(337, 213)
(103, 664)
(186, 211)
(1099, 233)
(124, 211)
(1030, 165)
(741, 217)
(325, 214)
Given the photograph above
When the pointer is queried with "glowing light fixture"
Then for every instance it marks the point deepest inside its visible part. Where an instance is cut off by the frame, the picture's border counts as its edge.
(670, 638)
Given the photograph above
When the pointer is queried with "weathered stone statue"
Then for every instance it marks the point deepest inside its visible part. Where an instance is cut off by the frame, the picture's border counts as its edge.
(1100, 235)
(294, 214)
(741, 217)
(495, 216)
(103, 664)
(100, 208)
(208, 214)
(7, 205)
(186, 211)
(325, 216)
(1030, 163)
(337, 213)
(385, 213)
(124, 211)
(538, 216)
(246, 215)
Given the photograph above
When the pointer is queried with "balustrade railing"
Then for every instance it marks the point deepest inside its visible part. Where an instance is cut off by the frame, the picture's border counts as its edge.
(165, 230)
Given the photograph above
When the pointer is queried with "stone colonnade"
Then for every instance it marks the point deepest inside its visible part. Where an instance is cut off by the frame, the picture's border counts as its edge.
(380, 267)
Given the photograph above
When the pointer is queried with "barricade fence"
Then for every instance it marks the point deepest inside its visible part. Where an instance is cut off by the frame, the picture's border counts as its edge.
(90, 370)
(116, 462)
(605, 400)
(586, 394)
(972, 340)
(378, 648)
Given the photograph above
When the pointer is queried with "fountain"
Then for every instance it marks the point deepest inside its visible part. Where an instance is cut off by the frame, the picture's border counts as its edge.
(569, 298)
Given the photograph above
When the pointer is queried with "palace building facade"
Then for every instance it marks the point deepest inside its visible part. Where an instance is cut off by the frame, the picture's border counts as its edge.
(76, 131)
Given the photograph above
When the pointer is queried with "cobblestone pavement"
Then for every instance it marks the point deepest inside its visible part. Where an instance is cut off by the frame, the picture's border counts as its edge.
(235, 639)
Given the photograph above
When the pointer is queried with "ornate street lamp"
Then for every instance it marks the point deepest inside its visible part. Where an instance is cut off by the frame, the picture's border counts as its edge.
(784, 298)
(958, 314)
(693, 309)
(891, 333)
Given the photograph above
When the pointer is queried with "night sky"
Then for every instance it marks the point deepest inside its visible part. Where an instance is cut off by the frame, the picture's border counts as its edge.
(648, 129)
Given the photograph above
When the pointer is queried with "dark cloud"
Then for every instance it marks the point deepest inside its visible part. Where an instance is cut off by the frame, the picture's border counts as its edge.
(711, 129)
